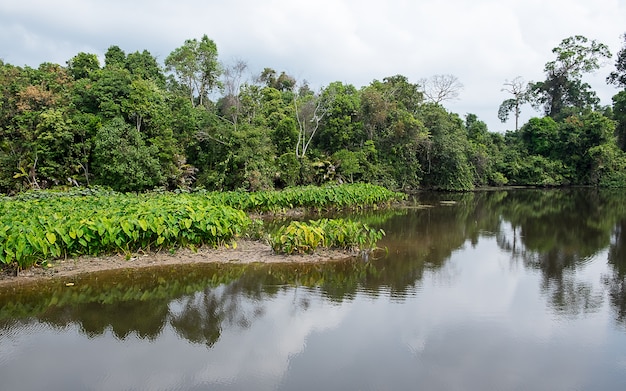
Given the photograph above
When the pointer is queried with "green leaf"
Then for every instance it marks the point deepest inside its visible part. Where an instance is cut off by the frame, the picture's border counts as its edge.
(52, 238)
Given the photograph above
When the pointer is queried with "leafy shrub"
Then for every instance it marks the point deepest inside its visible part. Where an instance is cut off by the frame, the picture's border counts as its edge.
(300, 237)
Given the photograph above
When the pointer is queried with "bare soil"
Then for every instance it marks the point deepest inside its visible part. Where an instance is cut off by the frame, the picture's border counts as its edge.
(246, 251)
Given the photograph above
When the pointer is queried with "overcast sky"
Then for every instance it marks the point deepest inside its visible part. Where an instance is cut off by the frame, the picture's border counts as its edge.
(481, 42)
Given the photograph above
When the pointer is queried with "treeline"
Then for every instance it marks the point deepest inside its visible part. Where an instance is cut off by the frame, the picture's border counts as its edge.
(133, 124)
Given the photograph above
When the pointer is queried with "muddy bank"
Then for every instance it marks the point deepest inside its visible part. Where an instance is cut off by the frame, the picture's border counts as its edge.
(247, 251)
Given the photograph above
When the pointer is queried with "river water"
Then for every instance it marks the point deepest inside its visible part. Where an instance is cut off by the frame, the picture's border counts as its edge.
(501, 290)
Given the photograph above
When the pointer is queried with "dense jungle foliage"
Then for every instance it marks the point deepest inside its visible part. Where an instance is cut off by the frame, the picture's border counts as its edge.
(133, 124)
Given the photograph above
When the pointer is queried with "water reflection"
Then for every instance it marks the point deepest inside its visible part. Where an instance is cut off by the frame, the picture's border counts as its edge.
(477, 282)
(558, 232)
(616, 281)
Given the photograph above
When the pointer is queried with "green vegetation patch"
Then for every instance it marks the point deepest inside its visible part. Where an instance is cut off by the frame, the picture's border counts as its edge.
(52, 225)
(32, 231)
(305, 237)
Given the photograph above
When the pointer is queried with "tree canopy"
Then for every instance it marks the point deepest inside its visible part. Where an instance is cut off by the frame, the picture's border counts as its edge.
(564, 88)
(134, 124)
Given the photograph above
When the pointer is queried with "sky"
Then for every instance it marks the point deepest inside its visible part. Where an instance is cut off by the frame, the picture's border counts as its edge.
(483, 43)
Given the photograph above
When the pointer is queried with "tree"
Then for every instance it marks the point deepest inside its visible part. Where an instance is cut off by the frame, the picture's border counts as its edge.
(196, 67)
(516, 88)
(341, 128)
(374, 110)
(81, 65)
(406, 94)
(579, 135)
(439, 88)
(619, 114)
(39, 141)
(114, 56)
(563, 87)
(380, 99)
(310, 110)
(143, 65)
(395, 136)
(268, 77)
(110, 87)
(231, 82)
(283, 82)
(122, 159)
(541, 136)
(484, 153)
(285, 136)
(445, 161)
(618, 77)
(562, 150)
(145, 101)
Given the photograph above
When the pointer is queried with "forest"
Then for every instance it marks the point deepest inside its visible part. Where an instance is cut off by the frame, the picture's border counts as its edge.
(193, 122)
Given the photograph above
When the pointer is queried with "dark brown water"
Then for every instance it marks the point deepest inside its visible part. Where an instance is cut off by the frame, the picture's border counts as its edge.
(518, 290)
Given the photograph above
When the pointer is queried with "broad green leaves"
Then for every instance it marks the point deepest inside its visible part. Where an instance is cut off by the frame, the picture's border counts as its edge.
(305, 237)
(52, 225)
(36, 230)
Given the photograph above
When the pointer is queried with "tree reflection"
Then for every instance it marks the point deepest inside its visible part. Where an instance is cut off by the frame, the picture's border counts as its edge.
(557, 232)
(616, 282)
(573, 297)
(144, 319)
(566, 294)
(204, 314)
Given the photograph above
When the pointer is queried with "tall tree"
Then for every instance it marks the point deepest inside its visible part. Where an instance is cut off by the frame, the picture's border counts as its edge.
(380, 99)
(230, 104)
(283, 82)
(440, 88)
(196, 67)
(145, 66)
(310, 109)
(618, 76)
(114, 56)
(563, 87)
(144, 103)
(267, 77)
(619, 114)
(395, 136)
(42, 140)
(82, 64)
(516, 88)
(485, 153)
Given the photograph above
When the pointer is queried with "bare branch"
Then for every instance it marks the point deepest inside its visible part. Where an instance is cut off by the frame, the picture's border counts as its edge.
(439, 88)
(309, 117)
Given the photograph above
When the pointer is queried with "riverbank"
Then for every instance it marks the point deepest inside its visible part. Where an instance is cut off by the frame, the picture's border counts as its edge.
(246, 251)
